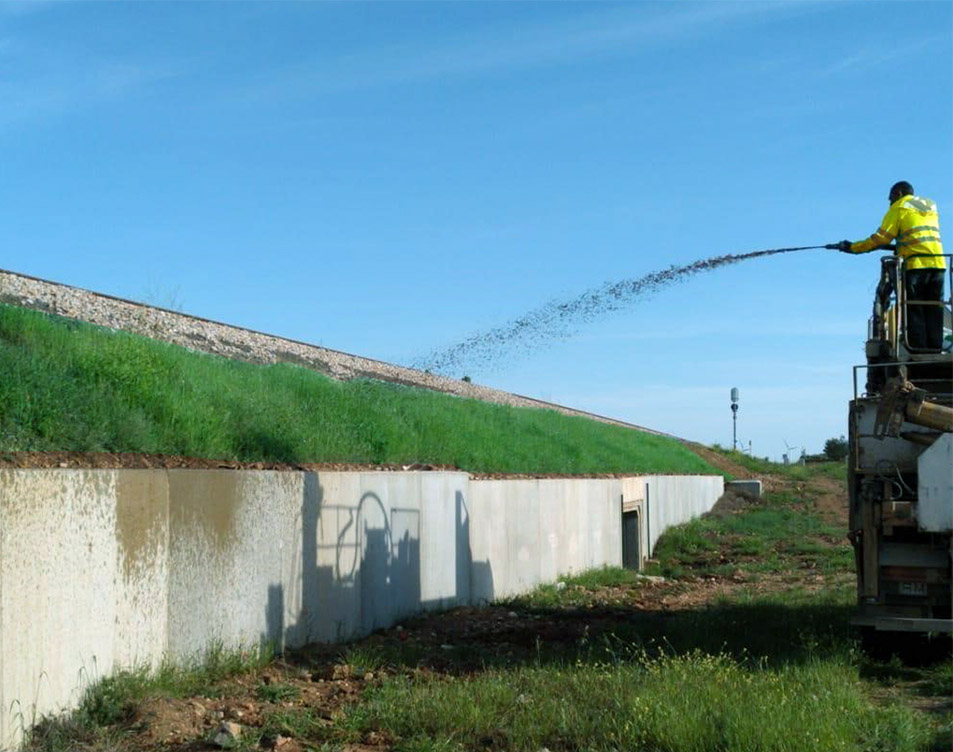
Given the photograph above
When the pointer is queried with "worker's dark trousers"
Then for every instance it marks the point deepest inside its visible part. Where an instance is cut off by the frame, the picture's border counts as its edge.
(924, 322)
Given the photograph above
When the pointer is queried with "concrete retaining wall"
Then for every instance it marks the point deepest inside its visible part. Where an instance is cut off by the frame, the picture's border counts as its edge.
(107, 568)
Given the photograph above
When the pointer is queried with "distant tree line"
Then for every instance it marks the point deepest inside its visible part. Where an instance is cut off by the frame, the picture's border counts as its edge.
(835, 450)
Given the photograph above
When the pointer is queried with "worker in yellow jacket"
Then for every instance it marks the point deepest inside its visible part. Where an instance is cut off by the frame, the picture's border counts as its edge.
(913, 222)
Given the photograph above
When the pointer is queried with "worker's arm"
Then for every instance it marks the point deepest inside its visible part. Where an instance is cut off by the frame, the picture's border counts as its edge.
(885, 235)
(879, 238)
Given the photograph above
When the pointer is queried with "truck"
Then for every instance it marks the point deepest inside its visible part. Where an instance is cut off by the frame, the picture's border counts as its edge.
(900, 470)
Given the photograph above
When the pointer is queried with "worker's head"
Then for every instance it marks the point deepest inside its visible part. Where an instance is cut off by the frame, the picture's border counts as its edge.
(899, 190)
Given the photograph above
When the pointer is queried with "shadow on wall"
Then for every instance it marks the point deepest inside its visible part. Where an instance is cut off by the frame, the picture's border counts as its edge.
(473, 577)
(360, 569)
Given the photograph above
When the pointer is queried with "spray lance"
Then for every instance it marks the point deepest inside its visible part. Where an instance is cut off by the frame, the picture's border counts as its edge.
(845, 246)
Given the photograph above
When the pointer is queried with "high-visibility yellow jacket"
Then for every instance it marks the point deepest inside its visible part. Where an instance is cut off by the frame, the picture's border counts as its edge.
(914, 223)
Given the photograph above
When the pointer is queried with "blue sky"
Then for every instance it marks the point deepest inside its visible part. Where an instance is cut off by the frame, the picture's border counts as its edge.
(390, 178)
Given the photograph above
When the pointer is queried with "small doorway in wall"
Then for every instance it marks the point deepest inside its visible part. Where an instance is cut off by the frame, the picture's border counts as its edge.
(631, 540)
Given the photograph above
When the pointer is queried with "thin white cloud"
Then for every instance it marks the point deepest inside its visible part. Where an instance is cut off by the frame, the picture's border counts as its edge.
(42, 80)
(621, 30)
(18, 8)
(873, 55)
(66, 88)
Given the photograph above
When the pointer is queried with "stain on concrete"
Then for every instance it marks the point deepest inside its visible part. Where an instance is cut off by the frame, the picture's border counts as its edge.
(28, 493)
(206, 501)
(142, 517)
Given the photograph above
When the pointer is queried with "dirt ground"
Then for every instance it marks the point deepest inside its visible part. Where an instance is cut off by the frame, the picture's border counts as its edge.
(131, 461)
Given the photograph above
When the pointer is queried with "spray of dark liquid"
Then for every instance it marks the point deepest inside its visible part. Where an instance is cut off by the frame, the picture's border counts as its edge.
(560, 319)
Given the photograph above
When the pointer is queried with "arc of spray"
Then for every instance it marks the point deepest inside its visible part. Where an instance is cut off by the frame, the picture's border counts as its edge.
(553, 320)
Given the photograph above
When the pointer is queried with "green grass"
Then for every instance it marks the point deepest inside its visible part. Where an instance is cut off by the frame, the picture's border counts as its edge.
(796, 472)
(594, 579)
(75, 387)
(364, 658)
(678, 703)
(575, 589)
(781, 535)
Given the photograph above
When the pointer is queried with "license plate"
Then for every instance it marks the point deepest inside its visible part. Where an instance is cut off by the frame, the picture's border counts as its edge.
(913, 588)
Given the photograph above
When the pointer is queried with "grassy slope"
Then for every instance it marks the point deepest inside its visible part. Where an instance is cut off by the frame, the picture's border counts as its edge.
(76, 387)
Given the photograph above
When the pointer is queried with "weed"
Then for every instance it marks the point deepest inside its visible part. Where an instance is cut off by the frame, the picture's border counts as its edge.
(300, 723)
(938, 680)
(276, 692)
(594, 579)
(364, 658)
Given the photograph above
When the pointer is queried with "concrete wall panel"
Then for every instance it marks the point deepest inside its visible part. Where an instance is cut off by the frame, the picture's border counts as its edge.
(327, 565)
(522, 535)
(444, 524)
(142, 533)
(553, 508)
(489, 542)
(58, 598)
(611, 528)
(226, 534)
(388, 518)
(386, 545)
(577, 526)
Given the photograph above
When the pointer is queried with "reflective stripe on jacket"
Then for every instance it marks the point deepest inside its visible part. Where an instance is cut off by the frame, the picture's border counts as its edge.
(915, 224)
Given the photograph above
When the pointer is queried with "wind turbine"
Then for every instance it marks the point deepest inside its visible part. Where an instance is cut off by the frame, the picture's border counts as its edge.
(787, 455)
